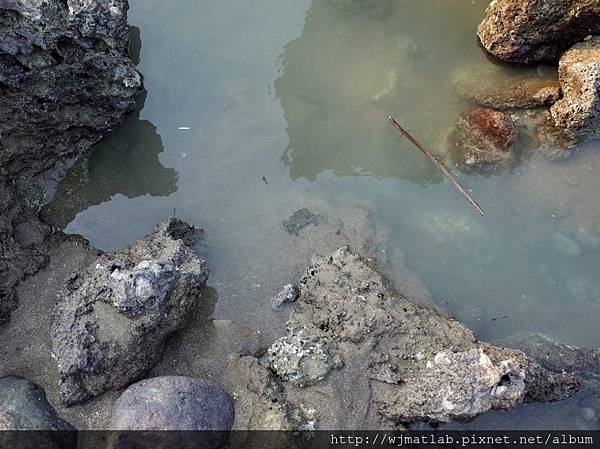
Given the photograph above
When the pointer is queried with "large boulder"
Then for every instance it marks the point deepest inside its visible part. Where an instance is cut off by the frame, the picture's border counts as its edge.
(408, 362)
(536, 30)
(578, 112)
(112, 317)
(66, 81)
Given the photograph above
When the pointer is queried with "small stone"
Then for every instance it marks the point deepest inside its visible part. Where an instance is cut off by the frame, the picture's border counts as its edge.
(288, 295)
(299, 220)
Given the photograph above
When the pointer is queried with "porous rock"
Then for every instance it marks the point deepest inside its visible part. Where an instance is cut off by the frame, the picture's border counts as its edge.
(536, 30)
(113, 316)
(66, 81)
(578, 111)
(416, 363)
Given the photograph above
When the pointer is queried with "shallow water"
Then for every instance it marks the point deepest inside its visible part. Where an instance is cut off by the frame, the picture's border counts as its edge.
(298, 92)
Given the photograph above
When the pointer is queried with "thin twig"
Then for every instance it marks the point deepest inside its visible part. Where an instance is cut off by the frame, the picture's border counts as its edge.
(439, 165)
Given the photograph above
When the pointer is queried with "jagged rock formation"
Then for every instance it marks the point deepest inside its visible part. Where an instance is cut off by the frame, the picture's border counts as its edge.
(113, 316)
(65, 82)
(416, 363)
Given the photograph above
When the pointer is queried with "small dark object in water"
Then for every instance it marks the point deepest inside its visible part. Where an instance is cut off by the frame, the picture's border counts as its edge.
(264, 178)
(299, 220)
(288, 295)
(500, 318)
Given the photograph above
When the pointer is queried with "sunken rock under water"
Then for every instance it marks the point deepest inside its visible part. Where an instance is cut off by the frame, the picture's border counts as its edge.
(113, 316)
(482, 139)
(494, 88)
(416, 363)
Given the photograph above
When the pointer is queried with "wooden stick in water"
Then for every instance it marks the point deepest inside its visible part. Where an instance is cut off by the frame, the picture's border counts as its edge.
(439, 165)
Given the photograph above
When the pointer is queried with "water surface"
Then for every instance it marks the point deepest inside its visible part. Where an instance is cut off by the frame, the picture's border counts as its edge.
(257, 109)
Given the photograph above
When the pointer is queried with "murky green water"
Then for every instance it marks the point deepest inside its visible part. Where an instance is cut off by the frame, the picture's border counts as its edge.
(298, 92)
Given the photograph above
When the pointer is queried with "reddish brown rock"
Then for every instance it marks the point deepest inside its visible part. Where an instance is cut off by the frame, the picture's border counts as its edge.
(537, 30)
(482, 139)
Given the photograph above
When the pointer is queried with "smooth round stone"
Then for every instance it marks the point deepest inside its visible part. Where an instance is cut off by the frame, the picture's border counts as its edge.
(173, 403)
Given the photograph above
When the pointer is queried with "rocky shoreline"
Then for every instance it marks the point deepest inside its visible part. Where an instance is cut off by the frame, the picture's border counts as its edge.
(357, 354)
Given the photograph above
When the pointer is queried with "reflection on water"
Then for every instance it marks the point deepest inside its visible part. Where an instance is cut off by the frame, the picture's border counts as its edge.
(354, 65)
(126, 162)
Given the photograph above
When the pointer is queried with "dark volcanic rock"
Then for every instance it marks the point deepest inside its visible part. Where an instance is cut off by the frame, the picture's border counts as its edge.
(112, 317)
(408, 362)
(537, 30)
(65, 82)
(492, 88)
(173, 403)
(482, 139)
(23, 406)
(65, 79)
(578, 111)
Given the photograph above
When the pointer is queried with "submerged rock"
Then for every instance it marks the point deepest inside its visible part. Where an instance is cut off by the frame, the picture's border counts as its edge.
(536, 30)
(482, 139)
(299, 220)
(113, 316)
(173, 403)
(492, 88)
(411, 362)
(66, 81)
(23, 406)
(578, 111)
(557, 356)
